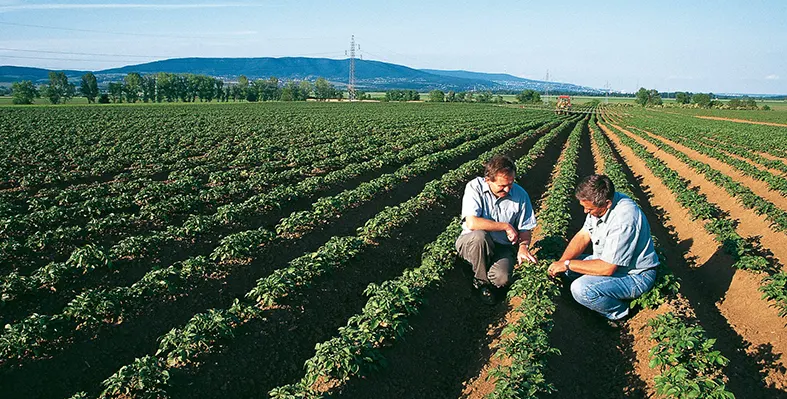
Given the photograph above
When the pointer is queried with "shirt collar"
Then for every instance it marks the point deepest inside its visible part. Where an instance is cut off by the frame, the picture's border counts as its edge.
(615, 200)
(485, 188)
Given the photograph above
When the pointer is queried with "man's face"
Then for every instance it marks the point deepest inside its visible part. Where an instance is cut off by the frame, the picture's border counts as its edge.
(597, 211)
(501, 185)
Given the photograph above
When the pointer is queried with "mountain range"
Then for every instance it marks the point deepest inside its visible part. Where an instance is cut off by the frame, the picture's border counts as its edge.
(369, 75)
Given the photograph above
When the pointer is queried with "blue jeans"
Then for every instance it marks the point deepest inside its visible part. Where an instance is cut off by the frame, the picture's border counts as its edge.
(609, 295)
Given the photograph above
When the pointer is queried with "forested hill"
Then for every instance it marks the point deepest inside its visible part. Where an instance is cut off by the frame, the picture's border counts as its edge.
(370, 75)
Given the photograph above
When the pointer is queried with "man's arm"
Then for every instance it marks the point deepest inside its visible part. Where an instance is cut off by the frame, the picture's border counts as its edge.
(524, 255)
(479, 223)
(594, 267)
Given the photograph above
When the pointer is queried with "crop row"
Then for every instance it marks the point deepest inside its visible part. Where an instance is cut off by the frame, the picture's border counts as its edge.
(181, 198)
(689, 135)
(79, 142)
(357, 349)
(14, 285)
(767, 139)
(526, 341)
(747, 198)
(716, 223)
(746, 153)
(183, 345)
(683, 353)
(95, 308)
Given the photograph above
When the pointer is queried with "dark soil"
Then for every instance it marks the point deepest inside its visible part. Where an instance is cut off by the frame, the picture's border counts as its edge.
(703, 287)
(448, 343)
(83, 364)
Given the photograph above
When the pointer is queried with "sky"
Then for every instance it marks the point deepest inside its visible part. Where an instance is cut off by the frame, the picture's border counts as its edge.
(698, 46)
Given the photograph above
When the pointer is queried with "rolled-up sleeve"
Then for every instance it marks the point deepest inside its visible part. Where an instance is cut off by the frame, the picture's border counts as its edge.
(471, 202)
(621, 245)
(527, 218)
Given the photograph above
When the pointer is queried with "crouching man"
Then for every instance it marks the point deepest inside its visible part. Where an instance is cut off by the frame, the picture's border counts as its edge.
(497, 220)
(623, 264)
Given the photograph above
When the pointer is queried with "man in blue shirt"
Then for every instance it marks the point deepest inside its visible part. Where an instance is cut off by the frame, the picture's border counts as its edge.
(623, 264)
(497, 218)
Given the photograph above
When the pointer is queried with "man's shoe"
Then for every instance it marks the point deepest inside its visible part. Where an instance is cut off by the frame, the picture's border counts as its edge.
(616, 324)
(487, 296)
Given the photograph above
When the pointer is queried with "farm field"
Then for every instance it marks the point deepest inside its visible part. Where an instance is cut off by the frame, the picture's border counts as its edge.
(307, 250)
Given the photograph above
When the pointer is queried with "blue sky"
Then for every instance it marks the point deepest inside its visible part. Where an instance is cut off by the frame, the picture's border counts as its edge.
(718, 46)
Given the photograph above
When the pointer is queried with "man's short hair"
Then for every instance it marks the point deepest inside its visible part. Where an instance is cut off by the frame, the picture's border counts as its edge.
(499, 164)
(596, 189)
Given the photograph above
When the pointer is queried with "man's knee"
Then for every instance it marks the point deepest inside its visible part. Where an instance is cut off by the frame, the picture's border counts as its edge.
(500, 273)
(479, 238)
(582, 292)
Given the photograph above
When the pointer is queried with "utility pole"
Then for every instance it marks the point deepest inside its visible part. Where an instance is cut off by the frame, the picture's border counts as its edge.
(351, 84)
(606, 101)
(546, 96)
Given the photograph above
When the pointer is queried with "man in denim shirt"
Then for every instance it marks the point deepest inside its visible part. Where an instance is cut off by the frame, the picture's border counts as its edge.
(497, 219)
(623, 264)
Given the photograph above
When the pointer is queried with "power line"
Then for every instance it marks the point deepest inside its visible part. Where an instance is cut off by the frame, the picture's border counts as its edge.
(107, 32)
(63, 59)
(75, 53)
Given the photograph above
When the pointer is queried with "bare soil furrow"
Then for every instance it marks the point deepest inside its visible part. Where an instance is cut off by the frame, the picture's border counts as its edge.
(450, 339)
(753, 338)
(758, 187)
(751, 224)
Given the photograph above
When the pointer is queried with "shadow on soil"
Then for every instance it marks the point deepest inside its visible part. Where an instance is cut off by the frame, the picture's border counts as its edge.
(703, 286)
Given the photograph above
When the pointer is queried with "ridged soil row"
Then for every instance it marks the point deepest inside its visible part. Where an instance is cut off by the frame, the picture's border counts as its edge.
(749, 332)
(758, 187)
(449, 341)
(751, 224)
(67, 372)
(481, 385)
(594, 361)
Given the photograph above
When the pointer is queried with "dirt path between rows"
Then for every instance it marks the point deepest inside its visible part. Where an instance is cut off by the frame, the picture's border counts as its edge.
(750, 223)
(763, 154)
(595, 362)
(754, 326)
(598, 160)
(482, 385)
(758, 187)
(716, 118)
(773, 171)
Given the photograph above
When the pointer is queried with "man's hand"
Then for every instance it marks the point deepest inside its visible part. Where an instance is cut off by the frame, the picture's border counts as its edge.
(512, 234)
(524, 255)
(557, 267)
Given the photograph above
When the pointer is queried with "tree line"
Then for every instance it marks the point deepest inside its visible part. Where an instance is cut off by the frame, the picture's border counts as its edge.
(645, 97)
(171, 87)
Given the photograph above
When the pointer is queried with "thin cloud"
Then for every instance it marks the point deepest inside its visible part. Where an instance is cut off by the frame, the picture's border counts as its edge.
(28, 7)
(772, 77)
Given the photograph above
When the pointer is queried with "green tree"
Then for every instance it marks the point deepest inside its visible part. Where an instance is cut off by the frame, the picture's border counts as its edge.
(450, 97)
(89, 87)
(436, 96)
(243, 86)
(642, 96)
(132, 86)
(323, 90)
(682, 98)
(529, 97)
(701, 99)
(654, 98)
(24, 92)
(59, 90)
(219, 94)
(484, 97)
(116, 92)
(305, 90)
(148, 88)
(648, 97)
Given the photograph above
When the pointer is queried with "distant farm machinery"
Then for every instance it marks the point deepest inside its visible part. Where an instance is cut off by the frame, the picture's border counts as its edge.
(563, 106)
